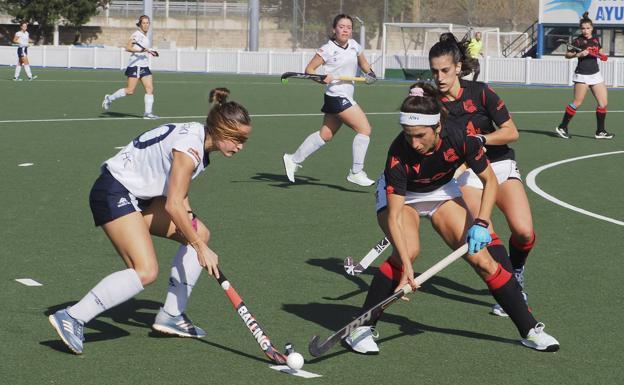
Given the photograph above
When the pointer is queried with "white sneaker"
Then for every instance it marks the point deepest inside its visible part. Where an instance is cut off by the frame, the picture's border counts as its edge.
(538, 339)
(149, 115)
(360, 179)
(361, 340)
(291, 167)
(106, 103)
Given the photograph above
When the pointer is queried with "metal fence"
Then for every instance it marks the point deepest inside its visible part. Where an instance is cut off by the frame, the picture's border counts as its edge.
(183, 8)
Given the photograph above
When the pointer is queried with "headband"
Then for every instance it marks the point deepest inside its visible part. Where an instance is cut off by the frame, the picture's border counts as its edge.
(414, 119)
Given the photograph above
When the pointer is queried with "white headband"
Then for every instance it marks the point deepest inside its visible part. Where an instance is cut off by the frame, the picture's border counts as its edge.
(414, 119)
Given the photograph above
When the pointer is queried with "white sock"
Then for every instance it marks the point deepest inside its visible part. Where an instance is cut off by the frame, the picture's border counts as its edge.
(185, 271)
(149, 102)
(309, 146)
(109, 292)
(27, 69)
(18, 69)
(360, 145)
(120, 93)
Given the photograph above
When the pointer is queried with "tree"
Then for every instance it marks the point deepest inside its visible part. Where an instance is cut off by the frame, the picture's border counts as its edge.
(48, 13)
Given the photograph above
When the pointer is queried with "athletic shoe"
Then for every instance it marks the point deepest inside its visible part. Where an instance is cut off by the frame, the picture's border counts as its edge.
(180, 325)
(69, 329)
(30, 79)
(604, 135)
(17, 79)
(562, 132)
(106, 103)
(360, 178)
(150, 116)
(361, 340)
(291, 167)
(538, 339)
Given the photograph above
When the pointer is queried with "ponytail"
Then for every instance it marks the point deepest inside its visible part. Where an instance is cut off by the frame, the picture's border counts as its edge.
(585, 19)
(448, 45)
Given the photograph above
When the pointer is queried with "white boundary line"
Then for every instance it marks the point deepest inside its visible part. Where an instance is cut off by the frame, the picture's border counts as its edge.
(253, 116)
(530, 181)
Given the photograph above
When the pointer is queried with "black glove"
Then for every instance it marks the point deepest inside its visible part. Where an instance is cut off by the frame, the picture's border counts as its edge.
(370, 77)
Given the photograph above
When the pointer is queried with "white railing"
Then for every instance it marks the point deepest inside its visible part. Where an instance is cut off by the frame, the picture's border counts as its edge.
(554, 71)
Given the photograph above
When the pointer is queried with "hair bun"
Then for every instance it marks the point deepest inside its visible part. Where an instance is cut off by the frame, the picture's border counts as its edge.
(586, 15)
(218, 95)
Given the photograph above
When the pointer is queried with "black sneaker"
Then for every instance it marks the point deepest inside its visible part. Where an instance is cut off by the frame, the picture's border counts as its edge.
(604, 135)
(562, 132)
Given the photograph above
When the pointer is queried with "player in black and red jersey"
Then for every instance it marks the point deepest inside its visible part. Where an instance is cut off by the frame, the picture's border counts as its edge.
(587, 76)
(418, 181)
(484, 114)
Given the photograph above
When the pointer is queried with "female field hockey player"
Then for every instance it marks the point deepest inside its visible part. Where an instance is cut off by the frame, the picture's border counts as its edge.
(586, 76)
(418, 182)
(143, 190)
(138, 69)
(341, 56)
(22, 39)
(483, 113)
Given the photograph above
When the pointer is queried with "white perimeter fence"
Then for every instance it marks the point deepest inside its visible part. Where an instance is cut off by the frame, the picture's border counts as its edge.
(552, 71)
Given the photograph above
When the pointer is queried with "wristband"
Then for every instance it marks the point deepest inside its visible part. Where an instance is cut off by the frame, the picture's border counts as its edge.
(482, 138)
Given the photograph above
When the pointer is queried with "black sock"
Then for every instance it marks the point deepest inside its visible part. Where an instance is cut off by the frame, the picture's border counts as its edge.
(567, 116)
(601, 115)
(498, 252)
(518, 253)
(381, 287)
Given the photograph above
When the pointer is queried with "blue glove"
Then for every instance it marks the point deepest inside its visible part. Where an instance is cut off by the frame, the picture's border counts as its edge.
(478, 236)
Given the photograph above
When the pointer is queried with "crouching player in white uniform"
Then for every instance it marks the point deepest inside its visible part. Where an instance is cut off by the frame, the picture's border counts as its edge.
(22, 39)
(143, 190)
(341, 56)
(138, 69)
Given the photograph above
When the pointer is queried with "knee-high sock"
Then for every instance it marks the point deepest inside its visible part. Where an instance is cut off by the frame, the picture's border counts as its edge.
(518, 251)
(109, 292)
(149, 102)
(360, 146)
(498, 252)
(569, 113)
(120, 93)
(185, 271)
(382, 286)
(309, 146)
(27, 69)
(506, 290)
(18, 69)
(601, 115)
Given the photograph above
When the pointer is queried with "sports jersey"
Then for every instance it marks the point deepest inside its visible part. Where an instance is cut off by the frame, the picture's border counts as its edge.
(140, 59)
(144, 165)
(340, 61)
(22, 38)
(408, 170)
(474, 48)
(587, 65)
(478, 108)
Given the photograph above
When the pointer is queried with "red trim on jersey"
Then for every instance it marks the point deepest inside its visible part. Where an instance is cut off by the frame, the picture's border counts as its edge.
(390, 271)
(601, 110)
(523, 246)
(416, 168)
(393, 162)
(460, 92)
(498, 279)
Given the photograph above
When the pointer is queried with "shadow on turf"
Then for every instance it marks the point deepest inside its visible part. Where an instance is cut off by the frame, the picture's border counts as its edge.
(112, 114)
(553, 134)
(335, 265)
(333, 317)
(280, 180)
(137, 313)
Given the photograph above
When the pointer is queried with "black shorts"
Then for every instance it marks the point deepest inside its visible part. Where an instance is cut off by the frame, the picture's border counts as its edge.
(21, 52)
(110, 200)
(138, 72)
(335, 104)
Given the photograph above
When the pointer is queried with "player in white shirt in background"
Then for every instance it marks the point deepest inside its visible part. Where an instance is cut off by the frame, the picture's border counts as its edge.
(143, 191)
(22, 39)
(341, 56)
(138, 69)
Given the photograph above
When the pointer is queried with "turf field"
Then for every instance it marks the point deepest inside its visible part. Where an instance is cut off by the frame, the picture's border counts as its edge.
(282, 245)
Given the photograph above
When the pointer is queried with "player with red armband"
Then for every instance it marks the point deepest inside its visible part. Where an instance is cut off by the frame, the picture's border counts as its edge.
(587, 50)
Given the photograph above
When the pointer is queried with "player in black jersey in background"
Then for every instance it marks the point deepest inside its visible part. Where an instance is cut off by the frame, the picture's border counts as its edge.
(418, 181)
(483, 114)
(587, 76)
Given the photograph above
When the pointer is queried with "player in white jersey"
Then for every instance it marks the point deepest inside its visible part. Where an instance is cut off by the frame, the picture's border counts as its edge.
(143, 191)
(341, 56)
(138, 69)
(22, 40)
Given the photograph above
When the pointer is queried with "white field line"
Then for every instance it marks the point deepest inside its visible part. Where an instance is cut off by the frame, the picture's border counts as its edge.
(530, 182)
(253, 116)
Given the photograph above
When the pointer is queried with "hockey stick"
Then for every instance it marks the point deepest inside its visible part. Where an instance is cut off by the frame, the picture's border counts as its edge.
(317, 77)
(317, 348)
(150, 51)
(571, 47)
(375, 252)
(250, 321)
